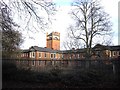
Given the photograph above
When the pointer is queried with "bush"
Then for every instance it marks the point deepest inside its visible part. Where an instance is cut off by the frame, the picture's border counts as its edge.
(67, 77)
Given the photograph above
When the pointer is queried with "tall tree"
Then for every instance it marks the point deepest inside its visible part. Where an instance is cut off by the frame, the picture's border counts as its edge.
(91, 23)
(31, 15)
(11, 39)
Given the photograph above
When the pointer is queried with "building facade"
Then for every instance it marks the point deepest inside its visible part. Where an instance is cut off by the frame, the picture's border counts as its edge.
(102, 51)
(52, 51)
(40, 53)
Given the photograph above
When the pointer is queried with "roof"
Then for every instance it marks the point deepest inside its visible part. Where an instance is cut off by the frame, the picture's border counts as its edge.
(103, 47)
(114, 48)
(73, 51)
(25, 50)
(42, 49)
(97, 47)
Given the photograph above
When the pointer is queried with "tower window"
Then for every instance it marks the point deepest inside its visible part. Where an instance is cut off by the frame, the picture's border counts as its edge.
(56, 38)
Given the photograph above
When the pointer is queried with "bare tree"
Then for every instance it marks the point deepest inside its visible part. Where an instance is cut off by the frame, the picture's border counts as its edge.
(91, 23)
(11, 38)
(34, 15)
(71, 42)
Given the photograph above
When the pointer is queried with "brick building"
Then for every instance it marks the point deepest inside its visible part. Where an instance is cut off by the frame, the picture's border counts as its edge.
(40, 53)
(102, 51)
(52, 51)
(98, 52)
(53, 40)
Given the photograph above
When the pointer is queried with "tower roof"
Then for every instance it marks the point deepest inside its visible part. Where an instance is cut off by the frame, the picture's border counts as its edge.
(54, 33)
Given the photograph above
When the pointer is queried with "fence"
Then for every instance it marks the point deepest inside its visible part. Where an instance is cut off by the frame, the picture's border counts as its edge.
(111, 66)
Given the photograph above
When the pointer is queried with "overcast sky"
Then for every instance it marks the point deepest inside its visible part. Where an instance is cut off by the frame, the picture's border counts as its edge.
(63, 20)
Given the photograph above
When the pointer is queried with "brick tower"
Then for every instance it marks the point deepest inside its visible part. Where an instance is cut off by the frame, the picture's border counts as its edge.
(53, 40)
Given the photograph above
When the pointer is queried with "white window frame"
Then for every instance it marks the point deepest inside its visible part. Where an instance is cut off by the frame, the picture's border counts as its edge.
(33, 54)
(114, 53)
(52, 55)
(40, 54)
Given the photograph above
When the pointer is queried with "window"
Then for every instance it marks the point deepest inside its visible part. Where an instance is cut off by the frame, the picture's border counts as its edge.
(119, 52)
(32, 54)
(45, 55)
(39, 55)
(56, 38)
(51, 55)
(114, 53)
